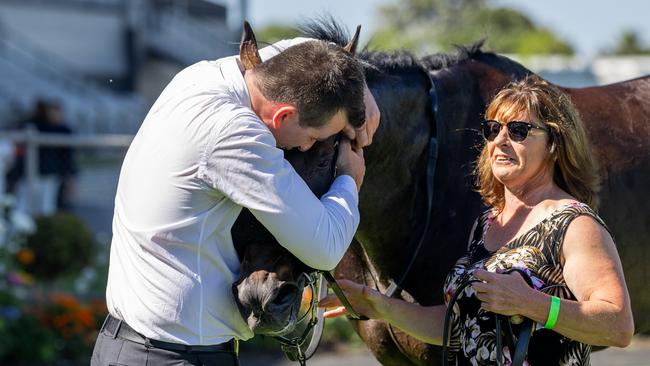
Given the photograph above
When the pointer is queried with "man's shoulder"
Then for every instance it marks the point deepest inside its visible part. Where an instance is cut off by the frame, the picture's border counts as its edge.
(204, 73)
(243, 121)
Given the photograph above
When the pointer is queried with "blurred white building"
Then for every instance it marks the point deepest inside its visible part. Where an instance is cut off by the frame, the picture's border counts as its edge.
(103, 60)
(579, 72)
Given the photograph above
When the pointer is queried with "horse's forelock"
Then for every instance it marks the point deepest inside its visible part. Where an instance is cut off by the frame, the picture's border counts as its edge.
(325, 28)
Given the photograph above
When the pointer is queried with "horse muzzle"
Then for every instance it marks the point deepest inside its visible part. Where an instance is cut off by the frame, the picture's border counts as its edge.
(269, 307)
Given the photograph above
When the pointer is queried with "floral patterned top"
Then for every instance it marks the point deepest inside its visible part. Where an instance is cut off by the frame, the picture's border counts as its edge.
(537, 252)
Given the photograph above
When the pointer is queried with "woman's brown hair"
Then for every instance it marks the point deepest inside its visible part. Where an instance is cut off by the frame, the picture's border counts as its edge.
(574, 168)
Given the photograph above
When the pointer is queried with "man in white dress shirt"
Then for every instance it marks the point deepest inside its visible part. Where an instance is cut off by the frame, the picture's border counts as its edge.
(210, 145)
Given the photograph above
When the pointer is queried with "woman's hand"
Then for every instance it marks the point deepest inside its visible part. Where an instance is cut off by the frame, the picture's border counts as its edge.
(422, 322)
(501, 293)
(363, 299)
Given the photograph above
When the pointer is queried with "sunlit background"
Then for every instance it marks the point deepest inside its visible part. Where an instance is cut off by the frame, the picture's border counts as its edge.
(92, 68)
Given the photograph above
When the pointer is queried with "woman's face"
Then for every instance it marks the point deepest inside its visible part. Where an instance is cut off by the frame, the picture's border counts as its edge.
(518, 164)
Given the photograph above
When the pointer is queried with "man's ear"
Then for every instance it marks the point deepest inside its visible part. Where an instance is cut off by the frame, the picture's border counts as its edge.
(282, 113)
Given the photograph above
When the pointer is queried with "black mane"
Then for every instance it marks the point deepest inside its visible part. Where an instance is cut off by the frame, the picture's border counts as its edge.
(475, 52)
(327, 29)
(443, 60)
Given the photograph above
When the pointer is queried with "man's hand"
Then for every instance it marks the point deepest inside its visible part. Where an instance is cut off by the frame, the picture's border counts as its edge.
(362, 136)
(350, 162)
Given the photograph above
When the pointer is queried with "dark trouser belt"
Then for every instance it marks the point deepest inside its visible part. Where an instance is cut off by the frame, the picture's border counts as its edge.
(119, 329)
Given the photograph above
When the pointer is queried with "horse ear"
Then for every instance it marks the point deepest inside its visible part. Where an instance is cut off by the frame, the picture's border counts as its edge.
(248, 53)
(352, 45)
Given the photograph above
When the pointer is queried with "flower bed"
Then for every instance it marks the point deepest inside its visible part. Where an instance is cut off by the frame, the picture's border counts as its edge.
(49, 313)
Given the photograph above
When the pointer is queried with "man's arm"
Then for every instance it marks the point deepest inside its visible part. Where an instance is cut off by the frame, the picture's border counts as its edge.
(244, 165)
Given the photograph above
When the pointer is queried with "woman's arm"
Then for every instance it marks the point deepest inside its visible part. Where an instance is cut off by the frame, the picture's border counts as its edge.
(423, 323)
(592, 270)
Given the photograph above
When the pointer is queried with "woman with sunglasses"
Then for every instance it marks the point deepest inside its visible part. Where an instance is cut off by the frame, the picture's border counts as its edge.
(539, 252)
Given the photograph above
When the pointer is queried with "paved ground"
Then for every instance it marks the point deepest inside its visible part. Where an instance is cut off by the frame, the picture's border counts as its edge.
(637, 354)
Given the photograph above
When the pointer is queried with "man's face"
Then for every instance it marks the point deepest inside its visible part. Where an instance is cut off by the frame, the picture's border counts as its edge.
(290, 134)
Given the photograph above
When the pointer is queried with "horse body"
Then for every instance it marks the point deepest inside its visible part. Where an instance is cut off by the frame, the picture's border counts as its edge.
(388, 225)
(617, 119)
(392, 203)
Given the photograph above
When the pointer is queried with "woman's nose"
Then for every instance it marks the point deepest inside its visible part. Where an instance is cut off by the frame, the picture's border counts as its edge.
(502, 136)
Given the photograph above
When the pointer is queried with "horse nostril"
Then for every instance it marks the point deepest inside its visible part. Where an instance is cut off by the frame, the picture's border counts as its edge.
(286, 295)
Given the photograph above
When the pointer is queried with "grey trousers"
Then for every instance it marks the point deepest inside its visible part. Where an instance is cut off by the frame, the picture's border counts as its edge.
(114, 351)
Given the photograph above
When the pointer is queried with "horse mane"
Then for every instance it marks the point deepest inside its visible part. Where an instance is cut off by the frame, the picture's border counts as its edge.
(475, 52)
(326, 28)
(462, 53)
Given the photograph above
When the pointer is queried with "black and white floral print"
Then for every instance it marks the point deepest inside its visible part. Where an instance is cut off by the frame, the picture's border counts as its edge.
(537, 253)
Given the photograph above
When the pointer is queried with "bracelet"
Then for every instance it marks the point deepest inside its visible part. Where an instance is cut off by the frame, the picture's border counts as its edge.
(553, 313)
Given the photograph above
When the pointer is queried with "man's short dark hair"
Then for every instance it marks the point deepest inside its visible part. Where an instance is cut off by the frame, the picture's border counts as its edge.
(319, 78)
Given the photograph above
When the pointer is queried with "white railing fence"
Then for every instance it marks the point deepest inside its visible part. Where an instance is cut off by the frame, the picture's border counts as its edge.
(95, 181)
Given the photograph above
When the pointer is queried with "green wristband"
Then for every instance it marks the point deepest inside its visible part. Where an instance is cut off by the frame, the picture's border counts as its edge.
(553, 313)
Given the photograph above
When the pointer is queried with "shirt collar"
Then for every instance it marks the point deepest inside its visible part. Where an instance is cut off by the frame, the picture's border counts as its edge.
(233, 72)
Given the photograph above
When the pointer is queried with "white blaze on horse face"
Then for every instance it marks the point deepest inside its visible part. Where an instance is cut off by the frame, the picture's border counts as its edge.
(518, 164)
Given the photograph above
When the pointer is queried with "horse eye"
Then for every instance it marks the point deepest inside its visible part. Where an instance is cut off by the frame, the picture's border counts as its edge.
(324, 164)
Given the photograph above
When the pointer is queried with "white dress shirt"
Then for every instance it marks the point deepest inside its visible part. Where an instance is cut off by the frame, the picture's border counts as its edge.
(201, 155)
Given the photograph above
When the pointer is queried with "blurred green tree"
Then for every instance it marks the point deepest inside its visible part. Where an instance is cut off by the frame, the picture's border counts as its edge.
(437, 25)
(629, 43)
(275, 32)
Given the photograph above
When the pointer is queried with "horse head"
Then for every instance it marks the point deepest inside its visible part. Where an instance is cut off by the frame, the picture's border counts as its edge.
(271, 283)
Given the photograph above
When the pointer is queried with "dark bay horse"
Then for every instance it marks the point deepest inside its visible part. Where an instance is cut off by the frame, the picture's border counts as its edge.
(617, 118)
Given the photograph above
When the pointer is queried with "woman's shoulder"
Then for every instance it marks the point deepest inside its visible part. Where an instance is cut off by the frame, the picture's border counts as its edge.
(571, 209)
(578, 220)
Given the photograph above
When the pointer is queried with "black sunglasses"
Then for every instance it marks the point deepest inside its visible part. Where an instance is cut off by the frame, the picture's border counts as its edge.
(517, 130)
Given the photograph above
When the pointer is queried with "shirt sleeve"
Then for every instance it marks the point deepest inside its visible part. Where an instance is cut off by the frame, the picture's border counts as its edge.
(244, 164)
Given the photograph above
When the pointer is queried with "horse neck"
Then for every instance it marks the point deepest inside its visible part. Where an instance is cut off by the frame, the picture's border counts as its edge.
(394, 164)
